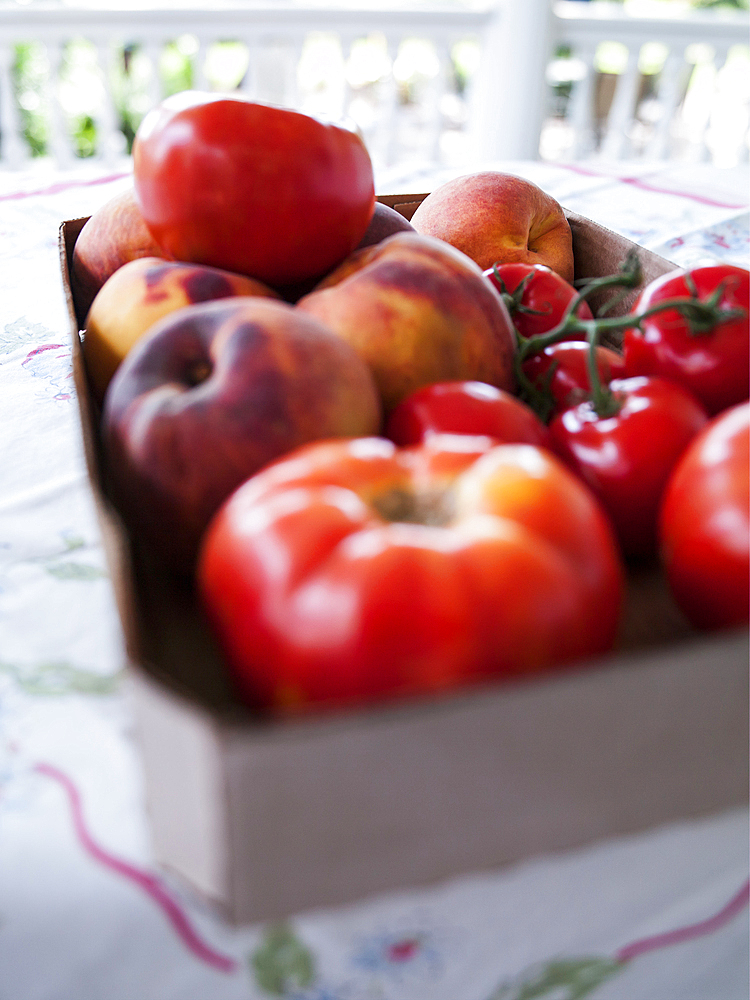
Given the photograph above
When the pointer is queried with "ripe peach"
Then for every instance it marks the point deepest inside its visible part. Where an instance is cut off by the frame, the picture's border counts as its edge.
(215, 392)
(115, 234)
(141, 292)
(497, 218)
(418, 311)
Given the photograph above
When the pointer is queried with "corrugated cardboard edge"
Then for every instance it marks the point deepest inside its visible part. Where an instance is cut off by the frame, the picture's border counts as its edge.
(486, 778)
(114, 536)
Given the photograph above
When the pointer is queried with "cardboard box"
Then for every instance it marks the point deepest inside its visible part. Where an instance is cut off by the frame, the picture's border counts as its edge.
(268, 818)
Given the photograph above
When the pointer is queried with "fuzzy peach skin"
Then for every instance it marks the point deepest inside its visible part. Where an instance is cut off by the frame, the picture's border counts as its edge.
(115, 234)
(417, 311)
(141, 292)
(495, 218)
(212, 394)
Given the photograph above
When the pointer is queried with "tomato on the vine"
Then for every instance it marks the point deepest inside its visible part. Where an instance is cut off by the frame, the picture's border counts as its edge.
(705, 523)
(561, 371)
(627, 450)
(354, 571)
(704, 345)
(474, 408)
(537, 297)
(266, 191)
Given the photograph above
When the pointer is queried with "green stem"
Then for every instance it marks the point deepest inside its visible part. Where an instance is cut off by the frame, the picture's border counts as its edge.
(603, 400)
(695, 312)
(701, 315)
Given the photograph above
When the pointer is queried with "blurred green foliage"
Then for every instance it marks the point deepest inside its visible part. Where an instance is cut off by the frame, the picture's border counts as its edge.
(135, 82)
(29, 74)
(131, 78)
(735, 4)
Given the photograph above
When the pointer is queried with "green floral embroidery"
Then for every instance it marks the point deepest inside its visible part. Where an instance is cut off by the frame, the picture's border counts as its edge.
(73, 542)
(560, 979)
(20, 332)
(60, 678)
(282, 961)
(75, 571)
(69, 570)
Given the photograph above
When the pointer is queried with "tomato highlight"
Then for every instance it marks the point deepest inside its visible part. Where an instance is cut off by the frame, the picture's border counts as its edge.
(704, 344)
(626, 451)
(704, 524)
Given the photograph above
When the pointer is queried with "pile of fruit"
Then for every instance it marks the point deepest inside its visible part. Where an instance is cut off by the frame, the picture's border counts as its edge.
(396, 456)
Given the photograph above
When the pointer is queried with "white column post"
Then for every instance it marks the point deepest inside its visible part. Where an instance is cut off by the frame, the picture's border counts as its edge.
(511, 92)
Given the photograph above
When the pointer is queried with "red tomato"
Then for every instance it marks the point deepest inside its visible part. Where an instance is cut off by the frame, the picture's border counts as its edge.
(542, 301)
(712, 360)
(262, 190)
(465, 408)
(354, 571)
(705, 523)
(627, 457)
(562, 371)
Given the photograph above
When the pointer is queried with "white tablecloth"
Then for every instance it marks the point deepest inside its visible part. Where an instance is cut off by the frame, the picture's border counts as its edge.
(85, 914)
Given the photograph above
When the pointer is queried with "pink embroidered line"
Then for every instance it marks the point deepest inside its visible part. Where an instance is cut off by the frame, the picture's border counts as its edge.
(733, 907)
(63, 186)
(640, 183)
(145, 880)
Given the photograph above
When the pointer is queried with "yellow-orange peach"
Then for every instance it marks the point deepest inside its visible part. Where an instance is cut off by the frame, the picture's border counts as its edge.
(497, 218)
(141, 292)
(115, 234)
(417, 311)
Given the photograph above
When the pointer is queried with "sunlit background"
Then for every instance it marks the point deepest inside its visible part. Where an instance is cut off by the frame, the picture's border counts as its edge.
(81, 90)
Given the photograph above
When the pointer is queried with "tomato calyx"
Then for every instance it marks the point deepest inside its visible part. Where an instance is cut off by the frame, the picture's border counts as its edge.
(539, 398)
(701, 315)
(514, 300)
(434, 508)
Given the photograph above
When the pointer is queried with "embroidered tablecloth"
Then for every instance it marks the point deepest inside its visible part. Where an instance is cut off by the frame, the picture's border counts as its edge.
(84, 912)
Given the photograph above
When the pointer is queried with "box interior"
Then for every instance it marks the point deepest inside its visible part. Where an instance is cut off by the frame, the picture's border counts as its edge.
(165, 632)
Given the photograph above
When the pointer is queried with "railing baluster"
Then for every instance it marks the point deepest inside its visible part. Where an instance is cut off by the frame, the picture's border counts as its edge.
(721, 54)
(249, 84)
(153, 49)
(388, 126)
(439, 90)
(59, 139)
(110, 140)
(582, 105)
(13, 148)
(616, 138)
(346, 39)
(669, 94)
(200, 57)
(292, 54)
(270, 75)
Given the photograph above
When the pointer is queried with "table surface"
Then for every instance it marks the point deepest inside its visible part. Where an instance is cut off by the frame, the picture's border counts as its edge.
(84, 912)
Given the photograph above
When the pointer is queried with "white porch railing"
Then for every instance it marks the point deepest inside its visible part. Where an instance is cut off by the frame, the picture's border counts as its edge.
(667, 86)
(441, 81)
(274, 42)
